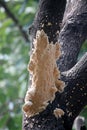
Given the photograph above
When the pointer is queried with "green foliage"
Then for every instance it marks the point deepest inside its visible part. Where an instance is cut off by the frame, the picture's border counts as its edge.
(83, 49)
(14, 57)
(84, 114)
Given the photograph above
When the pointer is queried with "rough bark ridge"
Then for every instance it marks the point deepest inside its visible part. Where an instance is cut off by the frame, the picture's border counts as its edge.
(72, 34)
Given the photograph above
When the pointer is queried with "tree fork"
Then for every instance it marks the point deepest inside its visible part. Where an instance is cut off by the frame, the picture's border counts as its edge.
(71, 37)
(73, 33)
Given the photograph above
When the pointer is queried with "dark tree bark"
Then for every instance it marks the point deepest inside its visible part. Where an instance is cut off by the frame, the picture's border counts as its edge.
(49, 18)
(73, 32)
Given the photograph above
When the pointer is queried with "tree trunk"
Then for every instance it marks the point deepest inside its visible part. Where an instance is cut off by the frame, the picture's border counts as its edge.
(71, 33)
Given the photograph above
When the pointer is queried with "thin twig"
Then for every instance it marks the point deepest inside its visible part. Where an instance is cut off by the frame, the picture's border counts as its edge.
(15, 20)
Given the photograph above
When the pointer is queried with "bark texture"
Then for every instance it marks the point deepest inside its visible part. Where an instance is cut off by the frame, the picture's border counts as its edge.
(49, 18)
(73, 32)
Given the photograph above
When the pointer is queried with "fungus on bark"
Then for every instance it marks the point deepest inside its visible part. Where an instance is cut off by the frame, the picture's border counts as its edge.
(45, 76)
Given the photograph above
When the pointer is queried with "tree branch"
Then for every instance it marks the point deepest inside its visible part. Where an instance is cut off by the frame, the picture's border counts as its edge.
(49, 18)
(71, 37)
(76, 90)
(73, 33)
(12, 16)
(79, 70)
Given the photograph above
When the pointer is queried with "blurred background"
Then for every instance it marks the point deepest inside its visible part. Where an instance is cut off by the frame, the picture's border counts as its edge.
(15, 18)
